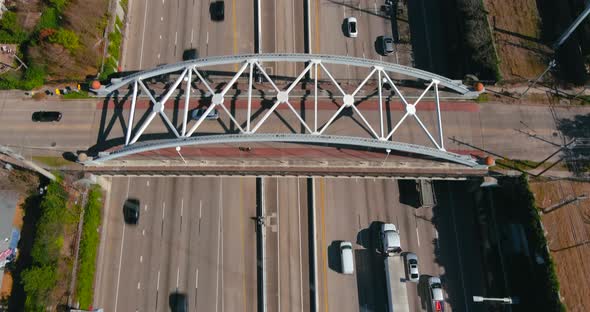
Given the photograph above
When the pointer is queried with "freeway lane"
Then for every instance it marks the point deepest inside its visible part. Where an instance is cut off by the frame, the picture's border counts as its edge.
(327, 34)
(184, 243)
(160, 30)
(287, 248)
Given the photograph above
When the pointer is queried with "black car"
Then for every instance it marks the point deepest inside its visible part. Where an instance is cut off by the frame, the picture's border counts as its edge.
(131, 211)
(217, 11)
(190, 54)
(46, 116)
(178, 302)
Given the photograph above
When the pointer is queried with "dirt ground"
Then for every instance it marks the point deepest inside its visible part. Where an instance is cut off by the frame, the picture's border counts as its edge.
(568, 236)
(516, 30)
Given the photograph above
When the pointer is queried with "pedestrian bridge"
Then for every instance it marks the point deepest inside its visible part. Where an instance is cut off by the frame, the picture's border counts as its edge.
(194, 84)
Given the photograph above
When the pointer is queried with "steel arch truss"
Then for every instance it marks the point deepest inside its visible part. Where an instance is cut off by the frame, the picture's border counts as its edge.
(249, 129)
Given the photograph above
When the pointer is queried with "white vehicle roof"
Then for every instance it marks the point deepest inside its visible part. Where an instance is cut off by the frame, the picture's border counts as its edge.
(388, 227)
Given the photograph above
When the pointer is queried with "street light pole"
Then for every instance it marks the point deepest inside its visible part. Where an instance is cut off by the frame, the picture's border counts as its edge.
(388, 151)
(179, 154)
(508, 300)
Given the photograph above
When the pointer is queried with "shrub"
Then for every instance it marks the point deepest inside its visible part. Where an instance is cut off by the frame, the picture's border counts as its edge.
(49, 19)
(34, 77)
(89, 247)
(10, 30)
(67, 38)
(60, 5)
(38, 282)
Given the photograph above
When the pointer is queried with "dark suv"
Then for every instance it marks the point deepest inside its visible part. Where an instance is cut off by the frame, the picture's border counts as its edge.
(131, 211)
(46, 116)
(217, 11)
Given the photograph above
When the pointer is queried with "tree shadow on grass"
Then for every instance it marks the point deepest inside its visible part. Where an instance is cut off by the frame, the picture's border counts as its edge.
(31, 205)
(577, 157)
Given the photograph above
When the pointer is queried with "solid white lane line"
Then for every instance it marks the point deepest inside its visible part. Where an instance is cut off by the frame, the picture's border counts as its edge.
(200, 208)
(142, 39)
(138, 285)
(175, 38)
(147, 183)
(177, 276)
(207, 38)
(299, 232)
(140, 259)
(278, 247)
(145, 208)
(143, 232)
(197, 279)
(121, 252)
(163, 210)
(181, 206)
(221, 235)
(158, 282)
(192, 34)
(418, 236)
(218, 250)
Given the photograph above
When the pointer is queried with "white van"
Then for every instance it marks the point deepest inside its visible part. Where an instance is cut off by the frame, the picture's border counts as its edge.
(347, 262)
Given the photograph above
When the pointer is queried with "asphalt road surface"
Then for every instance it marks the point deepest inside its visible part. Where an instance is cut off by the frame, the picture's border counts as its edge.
(287, 247)
(519, 132)
(195, 237)
(328, 37)
(443, 239)
(160, 30)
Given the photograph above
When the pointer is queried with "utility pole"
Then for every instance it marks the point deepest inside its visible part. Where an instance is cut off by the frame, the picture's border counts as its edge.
(563, 203)
(564, 36)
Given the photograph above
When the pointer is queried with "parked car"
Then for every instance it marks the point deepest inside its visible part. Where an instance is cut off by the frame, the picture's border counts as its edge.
(436, 294)
(351, 27)
(43, 116)
(347, 261)
(412, 267)
(387, 45)
(197, 113)
(131, 211)
(390, 240)
(217, 11)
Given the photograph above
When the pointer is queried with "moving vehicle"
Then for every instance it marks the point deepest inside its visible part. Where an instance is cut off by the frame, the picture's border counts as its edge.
(412, 267)
(190, 54)
(178, 302)
(390, 241)
(387, 45)
(43, 116)
(436, 294)
(427, 196)
(197, 113)
(131, 211)
(397, 294)
(351, 27)
(347, 261)
(217, 11)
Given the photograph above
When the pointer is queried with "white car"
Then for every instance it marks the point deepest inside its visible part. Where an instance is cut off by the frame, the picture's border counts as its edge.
(347, 256)
(351, 27)
(436, 294)
(412, 266)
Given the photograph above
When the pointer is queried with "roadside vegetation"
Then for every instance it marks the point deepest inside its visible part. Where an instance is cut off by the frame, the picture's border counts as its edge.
(65, 43)
(530, 271)
(43, 276)
(480, 51)
(89, 248)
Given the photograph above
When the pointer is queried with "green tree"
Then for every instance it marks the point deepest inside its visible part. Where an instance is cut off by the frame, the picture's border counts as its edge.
(38, 283)
(58, 4)
(67, 38)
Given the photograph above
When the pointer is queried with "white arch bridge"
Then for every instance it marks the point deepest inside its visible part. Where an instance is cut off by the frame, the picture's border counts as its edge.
(192, 84)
